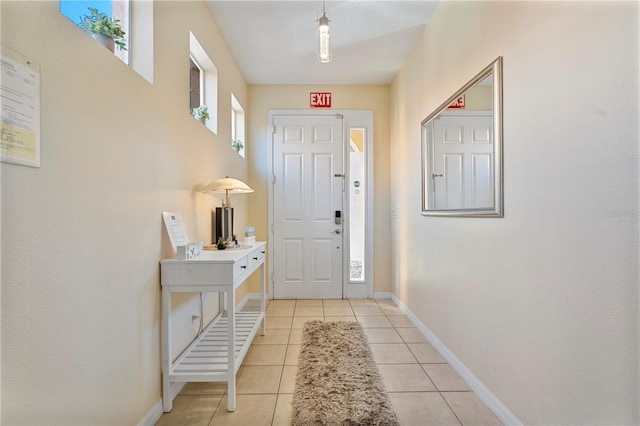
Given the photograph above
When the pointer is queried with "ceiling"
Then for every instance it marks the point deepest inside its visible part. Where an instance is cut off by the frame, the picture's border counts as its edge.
(275, 42)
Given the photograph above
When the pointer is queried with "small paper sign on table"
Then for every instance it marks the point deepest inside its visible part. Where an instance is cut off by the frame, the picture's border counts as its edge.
(178, 236)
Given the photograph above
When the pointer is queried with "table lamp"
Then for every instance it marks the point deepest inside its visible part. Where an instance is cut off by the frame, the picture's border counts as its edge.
(224, 214)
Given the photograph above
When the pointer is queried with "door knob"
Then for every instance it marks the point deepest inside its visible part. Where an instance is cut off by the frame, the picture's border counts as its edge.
(338, 231)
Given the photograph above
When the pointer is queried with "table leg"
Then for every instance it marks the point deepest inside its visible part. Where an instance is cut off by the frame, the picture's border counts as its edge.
(167, 400)
(231, 333)
(263, 331)
(222, 302)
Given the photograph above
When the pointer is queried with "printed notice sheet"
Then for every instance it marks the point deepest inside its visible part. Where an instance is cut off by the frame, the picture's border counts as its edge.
(20, 100)
(175, 229)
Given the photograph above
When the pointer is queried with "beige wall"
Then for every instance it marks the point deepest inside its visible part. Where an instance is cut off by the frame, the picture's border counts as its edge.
(541, 305)
(375, 98)
(82, 235)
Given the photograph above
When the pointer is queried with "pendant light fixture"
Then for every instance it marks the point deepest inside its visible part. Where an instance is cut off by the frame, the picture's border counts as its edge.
(324, 44)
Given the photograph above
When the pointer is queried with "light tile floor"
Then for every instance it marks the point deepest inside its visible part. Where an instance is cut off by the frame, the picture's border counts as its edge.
(423, 388)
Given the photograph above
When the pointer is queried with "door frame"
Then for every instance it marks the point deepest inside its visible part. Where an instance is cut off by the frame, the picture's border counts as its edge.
(351, 119)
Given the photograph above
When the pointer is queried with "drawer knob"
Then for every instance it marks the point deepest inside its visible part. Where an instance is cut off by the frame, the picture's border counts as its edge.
(255, 258)
(263, 252)
(243, 266)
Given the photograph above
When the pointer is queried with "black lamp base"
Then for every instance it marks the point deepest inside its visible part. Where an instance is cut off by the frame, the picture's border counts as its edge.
(222, 224)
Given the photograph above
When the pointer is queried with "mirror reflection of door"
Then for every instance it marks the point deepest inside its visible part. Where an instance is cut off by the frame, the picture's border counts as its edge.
(462, 160)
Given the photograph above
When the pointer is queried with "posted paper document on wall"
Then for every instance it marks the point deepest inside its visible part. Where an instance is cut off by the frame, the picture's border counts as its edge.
(20, 108)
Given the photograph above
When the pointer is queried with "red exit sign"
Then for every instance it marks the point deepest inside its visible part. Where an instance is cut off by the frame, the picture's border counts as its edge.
(320, 100)
(458, 103)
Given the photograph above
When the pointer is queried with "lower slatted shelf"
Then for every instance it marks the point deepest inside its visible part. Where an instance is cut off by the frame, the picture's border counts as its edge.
(208, 354)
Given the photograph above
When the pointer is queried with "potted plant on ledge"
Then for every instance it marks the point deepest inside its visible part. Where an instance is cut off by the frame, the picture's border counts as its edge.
(104, 29)
(237, 144)
(201, 113)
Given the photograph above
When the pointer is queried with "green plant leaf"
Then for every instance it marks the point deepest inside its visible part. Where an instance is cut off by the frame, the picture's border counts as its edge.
(100, 23)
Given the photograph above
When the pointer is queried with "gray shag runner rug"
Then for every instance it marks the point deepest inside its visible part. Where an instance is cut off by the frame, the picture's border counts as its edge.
(338, 382)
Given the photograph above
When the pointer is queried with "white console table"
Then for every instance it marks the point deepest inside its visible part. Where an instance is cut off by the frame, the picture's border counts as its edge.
(218, 352)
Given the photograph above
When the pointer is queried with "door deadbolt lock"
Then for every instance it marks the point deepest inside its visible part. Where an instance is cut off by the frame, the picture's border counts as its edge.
(338, 217)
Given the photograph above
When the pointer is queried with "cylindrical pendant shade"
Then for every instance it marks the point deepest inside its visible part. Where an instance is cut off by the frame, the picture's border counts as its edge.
(324, 40)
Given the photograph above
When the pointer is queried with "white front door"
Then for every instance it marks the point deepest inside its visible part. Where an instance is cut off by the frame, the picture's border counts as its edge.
(308, 190)
(463, 161)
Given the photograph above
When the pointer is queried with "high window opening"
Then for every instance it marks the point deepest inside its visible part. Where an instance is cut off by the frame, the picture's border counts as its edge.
(124, 27)
(105, 20)
(203, 85)
(238, 142)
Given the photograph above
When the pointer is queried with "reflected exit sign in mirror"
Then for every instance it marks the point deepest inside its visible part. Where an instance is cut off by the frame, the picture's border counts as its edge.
(458, 103)
(320, 99)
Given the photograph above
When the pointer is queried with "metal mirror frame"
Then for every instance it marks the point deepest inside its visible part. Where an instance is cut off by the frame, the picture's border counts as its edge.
(494, 68)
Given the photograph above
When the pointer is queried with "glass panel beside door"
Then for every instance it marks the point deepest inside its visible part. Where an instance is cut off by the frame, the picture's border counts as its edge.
(357, 203)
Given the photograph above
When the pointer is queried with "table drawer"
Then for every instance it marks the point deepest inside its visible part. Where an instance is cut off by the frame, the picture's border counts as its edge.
(256, 257)
(196, 273)
(240, 267)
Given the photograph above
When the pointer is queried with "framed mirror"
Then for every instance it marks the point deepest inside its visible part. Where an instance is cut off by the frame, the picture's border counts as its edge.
(462, 150)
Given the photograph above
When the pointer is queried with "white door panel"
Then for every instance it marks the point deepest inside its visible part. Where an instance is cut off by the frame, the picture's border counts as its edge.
(481, 134)
(292, 204)
(322, 190)
(481, 185)
(322, 260)
(293, 253)
(452, 134)
(307, 251)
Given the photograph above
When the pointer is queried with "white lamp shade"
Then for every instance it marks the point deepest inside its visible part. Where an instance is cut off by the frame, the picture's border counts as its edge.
(228, 184)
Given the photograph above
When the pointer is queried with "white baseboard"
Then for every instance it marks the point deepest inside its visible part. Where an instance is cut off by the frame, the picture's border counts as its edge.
(152, 417)
(490, 400)
(245, 299)
(384, 295)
